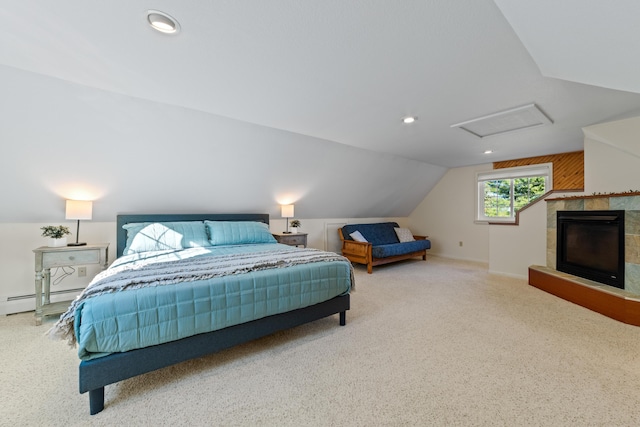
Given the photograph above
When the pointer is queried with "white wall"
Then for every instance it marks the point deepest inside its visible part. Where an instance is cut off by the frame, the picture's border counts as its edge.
(612, 156)
(609, 169)
(447, 216)
(512, 249)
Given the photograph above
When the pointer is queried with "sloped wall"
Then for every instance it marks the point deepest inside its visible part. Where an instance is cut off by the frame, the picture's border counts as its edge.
(132, 155)
(612, 157)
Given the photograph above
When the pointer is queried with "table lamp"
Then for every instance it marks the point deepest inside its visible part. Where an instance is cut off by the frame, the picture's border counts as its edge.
(78, 209)
(287, 212)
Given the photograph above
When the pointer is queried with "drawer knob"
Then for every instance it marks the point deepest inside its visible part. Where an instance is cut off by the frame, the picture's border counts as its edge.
(72, 258)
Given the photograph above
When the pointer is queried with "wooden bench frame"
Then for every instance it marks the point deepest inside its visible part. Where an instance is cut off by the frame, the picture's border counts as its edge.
(360, 253)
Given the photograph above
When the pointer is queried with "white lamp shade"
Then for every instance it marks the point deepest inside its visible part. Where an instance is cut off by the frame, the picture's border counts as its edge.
(287, 211)
(79, 209)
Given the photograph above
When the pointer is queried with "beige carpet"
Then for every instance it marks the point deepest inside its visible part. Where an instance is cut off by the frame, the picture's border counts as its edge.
(439, 343)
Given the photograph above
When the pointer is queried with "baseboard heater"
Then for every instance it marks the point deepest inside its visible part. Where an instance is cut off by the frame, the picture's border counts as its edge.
(33, 295)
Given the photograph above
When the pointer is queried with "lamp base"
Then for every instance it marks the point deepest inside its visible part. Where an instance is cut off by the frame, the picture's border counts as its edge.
(77, 244)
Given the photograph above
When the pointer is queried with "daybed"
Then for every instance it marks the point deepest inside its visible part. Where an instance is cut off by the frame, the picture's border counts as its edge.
(184, 286)
(381, 243)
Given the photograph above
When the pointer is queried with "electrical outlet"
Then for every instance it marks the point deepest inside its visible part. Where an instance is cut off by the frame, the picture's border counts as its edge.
(460, 243)
(82, 271)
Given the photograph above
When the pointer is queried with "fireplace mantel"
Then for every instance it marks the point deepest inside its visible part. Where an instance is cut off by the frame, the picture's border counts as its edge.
(595, 196)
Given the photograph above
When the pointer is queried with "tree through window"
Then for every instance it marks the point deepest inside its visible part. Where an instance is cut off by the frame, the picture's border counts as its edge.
(502, 192)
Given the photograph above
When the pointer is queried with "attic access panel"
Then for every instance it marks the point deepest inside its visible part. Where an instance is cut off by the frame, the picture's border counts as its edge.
(519, 118)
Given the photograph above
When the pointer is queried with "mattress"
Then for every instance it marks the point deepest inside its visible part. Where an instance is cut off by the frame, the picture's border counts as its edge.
(136, 318)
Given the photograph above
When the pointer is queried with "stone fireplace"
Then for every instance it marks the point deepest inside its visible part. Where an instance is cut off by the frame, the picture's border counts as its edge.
(628, 202)
(619, 304)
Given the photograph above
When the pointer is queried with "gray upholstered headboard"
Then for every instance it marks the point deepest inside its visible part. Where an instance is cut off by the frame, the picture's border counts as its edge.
(121, 233)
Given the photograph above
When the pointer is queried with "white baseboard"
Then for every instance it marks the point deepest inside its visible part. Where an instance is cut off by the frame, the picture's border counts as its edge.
(484, 263)
(515, 276)
(10, 304)
(440, 255)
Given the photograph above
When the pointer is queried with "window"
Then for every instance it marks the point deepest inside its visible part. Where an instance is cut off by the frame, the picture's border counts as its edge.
(502, 192)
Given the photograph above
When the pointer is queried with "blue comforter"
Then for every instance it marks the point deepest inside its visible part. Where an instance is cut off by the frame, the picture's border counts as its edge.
(136, 318)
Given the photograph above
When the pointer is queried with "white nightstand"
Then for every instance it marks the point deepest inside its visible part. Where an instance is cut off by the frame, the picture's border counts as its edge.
(48, 257)
(291, 239)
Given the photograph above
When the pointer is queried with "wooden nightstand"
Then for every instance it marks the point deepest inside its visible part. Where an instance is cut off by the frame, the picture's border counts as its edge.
(292, 239)
(48, 257)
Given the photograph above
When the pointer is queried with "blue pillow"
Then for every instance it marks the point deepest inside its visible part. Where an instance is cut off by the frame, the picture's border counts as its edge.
(160, 236)
(238, 232)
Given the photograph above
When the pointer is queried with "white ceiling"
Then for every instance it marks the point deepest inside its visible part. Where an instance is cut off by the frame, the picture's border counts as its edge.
(348, 71)
(591, 42)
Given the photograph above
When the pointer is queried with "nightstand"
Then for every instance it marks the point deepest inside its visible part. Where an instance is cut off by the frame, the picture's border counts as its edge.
(292, 239)
(65, 256)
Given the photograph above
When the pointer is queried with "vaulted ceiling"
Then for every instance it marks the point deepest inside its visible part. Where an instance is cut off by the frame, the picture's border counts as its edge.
(346, 72)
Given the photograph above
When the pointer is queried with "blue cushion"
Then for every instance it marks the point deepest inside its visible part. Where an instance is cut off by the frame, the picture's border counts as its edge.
(238, 232)
(159, 236)
(383, 251)
(382, 233)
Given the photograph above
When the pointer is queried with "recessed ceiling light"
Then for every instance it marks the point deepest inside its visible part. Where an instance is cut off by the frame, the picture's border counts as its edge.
(162, 22)
(488, 151)
(409, 120)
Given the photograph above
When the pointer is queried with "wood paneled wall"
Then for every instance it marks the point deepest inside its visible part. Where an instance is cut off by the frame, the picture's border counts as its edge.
(568, 168)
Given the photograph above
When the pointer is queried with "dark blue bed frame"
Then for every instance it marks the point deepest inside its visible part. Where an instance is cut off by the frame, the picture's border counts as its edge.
(97, 373)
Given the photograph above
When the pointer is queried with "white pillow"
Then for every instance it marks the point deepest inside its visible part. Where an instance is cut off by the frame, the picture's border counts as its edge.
(161, 236)
(404, 234)
(358, 237)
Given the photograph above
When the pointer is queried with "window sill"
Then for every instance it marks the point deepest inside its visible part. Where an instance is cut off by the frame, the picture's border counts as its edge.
(506, 221)
(512, 222)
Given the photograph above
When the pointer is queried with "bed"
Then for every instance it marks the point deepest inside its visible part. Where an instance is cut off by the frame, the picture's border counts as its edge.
(174, 294)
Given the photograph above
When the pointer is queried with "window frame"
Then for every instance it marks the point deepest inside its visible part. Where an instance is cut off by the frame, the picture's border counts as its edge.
(541, 169)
